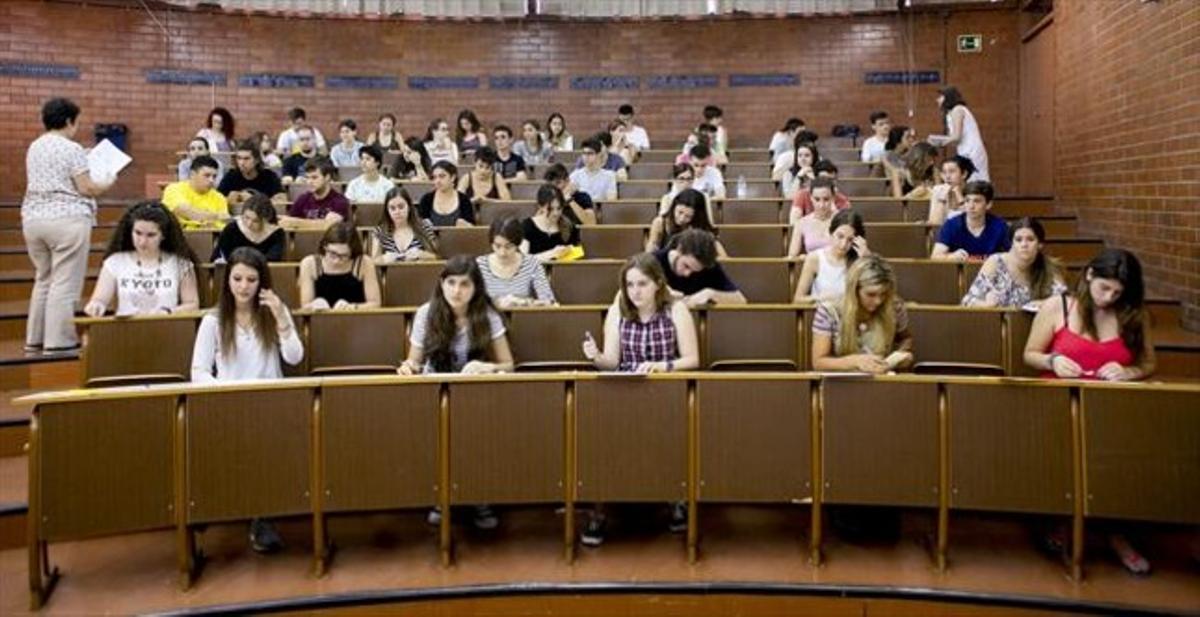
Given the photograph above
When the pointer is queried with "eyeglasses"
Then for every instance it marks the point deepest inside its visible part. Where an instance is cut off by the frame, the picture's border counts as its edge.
(684, 178)
(339, 256)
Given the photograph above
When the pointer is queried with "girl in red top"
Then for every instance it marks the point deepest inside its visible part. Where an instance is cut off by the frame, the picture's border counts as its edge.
(1099, 333)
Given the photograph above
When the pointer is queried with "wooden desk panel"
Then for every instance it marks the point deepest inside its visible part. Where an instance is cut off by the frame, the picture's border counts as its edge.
(349, 342)
(761, 281)
(755, 441)
(1142, 454)
(248, 454)
(880, 442)
(741, 336)
(506, 443)
(144, 349)
(380, 446)
(553, 335)
(1010, 448)
(106, 467)
(974, 337)
(586, 282)
(631, 428)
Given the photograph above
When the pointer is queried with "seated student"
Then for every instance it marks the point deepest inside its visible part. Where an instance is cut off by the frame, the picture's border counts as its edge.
(715, 117)
(549, 234)
(917, 174)
(976, 234)
(468, 132)
(865, 329)
(635, 133)
(682, 177)
(266, 151)
(580, 208)
(946, 199)
(339, 276)
(693, 274)
(194, 201)
(148, 267)
(557, 135)
(645, 331)
(688, 210)
(533, 148)
(900, 140)
(322, 206)
(708, 178)
(289, 139)
(293, 164)
(781, 141)
(413, 163)
(609, 160)
(370, 187)
(811, 231)
(401, 234)
(508, 165)
(244, 338)
(802, 203)
(218, 131)
(445, 206)
(459, 331)
(250, 175)
(786, 160)
(439, 144)
(1022, 276)
(484, 181)
(621, 146)
(873, 147)
(257, 227)
(1100, 333)
(198, 146)
(511, 277)
(823, 276)
(593, 178)
(386, 136)
(705, 134)
(345, 152)
(797, 177)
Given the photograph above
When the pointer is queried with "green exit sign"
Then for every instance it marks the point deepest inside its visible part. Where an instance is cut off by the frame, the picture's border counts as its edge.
(970, 43)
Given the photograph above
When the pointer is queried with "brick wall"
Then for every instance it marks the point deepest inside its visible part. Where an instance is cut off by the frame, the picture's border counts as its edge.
(114, 47)
(1127, 134)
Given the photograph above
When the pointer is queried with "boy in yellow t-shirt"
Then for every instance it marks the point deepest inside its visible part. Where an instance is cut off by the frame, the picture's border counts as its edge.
(194, 201)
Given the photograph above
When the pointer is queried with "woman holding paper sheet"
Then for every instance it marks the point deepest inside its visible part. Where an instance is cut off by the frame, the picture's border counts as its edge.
(57, 215)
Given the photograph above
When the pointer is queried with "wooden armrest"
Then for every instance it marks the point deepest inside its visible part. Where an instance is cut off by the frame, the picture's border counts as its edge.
(555, 365)
(754, 364)
(124, 380)
(957, 368)
(353, 368)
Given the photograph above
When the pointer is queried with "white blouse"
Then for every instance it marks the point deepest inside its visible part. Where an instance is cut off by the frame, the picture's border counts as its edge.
(249, 361)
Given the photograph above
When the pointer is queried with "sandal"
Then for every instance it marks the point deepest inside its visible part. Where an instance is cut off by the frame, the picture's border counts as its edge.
(1131, 559)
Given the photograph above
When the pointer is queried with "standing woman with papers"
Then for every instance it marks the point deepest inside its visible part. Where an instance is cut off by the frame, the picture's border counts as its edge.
(56, 219)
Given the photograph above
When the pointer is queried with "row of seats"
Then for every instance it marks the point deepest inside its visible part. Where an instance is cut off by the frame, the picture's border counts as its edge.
(769, 337)
(177, 457)
(594, 281)
(620, 241)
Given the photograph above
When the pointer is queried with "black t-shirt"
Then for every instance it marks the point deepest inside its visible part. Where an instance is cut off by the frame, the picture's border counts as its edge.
(466, 211)
(509, 167)
(712, 278)
(293, 166)
(272, 247)
(581, 199)
(540, 241)
(266, 182)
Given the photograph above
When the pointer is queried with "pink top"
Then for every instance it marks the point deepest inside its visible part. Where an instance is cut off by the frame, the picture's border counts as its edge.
(1088, 354)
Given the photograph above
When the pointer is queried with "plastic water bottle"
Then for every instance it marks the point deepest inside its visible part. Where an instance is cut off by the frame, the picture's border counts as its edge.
(741, 187)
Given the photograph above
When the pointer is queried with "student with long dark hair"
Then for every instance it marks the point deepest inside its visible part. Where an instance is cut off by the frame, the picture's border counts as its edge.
(468, 132)
(1099, 332)
(824, 273)
(413, 163)
(439, 144)
(402, 235)
(483, 181)
(962, 131)
(245, 338)
(782, 140)
(339, 276)
(219, 130)
(445, 205)
(557, 135)
(386, 136)
(688, 210)
(511, 277)
(1022, 276)
(148, 267)
(549, 234)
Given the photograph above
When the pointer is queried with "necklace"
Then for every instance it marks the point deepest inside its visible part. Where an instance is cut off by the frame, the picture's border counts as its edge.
(157, 268)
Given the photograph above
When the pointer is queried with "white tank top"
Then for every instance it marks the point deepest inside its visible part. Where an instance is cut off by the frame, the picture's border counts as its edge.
(970, 145)
(831, 278)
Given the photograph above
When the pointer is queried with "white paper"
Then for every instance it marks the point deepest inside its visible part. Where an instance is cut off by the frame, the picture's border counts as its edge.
(105, 161)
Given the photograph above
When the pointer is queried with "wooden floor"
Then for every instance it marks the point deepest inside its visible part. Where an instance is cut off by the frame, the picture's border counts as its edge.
(396, 553)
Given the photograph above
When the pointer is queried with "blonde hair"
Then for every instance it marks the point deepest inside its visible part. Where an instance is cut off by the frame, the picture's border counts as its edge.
(880, 330)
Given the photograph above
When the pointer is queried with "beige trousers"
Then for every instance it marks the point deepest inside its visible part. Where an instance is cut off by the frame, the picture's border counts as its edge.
(58, 249)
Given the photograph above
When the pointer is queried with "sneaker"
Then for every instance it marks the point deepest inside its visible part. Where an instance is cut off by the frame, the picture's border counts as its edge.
(263, 537)
(485, 519)
(434, 517)
(60, 351)
(593, 532)
(679, 517)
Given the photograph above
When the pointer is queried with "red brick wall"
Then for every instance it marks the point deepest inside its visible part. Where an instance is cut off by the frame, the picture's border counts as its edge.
(1128, 133)
(115, 46)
